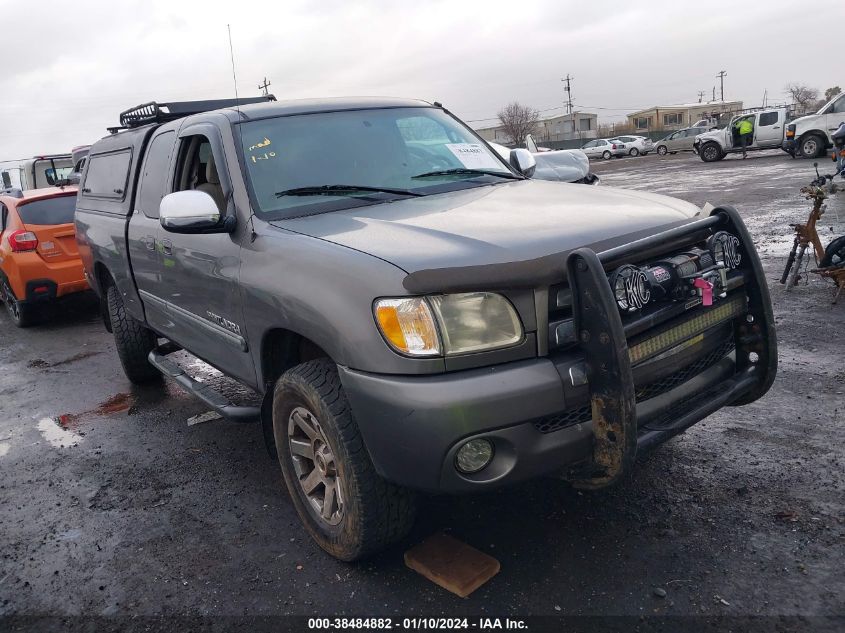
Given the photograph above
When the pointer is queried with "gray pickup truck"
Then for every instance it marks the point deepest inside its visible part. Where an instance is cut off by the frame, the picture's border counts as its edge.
(416, 312)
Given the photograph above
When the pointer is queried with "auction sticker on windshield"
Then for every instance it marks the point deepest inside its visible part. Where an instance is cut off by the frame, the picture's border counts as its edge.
(473, 156)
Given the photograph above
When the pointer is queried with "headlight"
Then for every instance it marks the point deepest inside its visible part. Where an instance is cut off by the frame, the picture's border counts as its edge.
(630, 287)
(476, 321)
(725, 248)
(469, 322)
(408, 325)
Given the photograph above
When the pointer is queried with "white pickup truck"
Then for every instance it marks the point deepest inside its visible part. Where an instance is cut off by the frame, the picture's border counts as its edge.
(769, 126)
(809, 136)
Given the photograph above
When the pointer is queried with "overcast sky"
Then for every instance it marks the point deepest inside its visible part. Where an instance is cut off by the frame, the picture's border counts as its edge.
(71, 67)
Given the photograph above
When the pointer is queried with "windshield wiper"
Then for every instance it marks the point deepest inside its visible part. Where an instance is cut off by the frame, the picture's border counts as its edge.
(464, 170)
(339, 190)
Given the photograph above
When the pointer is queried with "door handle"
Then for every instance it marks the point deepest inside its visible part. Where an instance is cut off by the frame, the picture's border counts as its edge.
(167, 246)
(149, 242)
(777, 127)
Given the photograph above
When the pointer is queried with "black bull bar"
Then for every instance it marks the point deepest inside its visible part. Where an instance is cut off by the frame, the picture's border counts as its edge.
(602, 339)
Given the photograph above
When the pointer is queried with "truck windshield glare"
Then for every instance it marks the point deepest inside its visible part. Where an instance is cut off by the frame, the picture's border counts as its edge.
(379, 150)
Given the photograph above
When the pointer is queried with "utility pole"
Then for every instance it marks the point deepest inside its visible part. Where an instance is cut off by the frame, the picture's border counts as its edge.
(263, 87)
(568, 90)
(714, 93)
(700, 96)
(721, 77)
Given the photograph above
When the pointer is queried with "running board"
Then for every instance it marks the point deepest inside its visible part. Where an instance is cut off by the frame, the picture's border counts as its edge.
(214, 399)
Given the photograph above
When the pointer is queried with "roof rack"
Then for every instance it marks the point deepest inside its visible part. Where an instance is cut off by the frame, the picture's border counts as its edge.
(154, 112)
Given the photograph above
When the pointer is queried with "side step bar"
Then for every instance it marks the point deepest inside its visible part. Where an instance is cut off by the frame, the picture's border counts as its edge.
(214, 399)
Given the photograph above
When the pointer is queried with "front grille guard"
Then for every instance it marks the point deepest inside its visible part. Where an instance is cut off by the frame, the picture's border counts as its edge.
(601, 337)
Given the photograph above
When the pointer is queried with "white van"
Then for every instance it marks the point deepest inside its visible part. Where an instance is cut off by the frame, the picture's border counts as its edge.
(809, 136)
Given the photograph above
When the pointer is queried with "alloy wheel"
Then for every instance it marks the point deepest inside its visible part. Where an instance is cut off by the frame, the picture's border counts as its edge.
(315, 466)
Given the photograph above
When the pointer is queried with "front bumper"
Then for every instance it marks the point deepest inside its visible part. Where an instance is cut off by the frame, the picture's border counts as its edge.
(413, 425)
(790, 146)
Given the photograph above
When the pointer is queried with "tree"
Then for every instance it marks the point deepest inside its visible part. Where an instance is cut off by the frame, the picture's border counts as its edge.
(802, 96)
(830, 93)
(518, 121)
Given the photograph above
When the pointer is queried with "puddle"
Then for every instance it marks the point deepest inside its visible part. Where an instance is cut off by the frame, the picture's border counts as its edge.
(58, 437)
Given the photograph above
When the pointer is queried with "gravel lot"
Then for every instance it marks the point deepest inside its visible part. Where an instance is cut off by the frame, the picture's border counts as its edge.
(129, 511)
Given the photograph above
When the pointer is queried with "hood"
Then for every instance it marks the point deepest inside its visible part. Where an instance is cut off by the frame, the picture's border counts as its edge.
(805, 118)
(711, 134)
(515, 221)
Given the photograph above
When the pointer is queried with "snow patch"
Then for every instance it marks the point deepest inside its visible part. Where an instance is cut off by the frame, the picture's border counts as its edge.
(56, 435)
(4, 448)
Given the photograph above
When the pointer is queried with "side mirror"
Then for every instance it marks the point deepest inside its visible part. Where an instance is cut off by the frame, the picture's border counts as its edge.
(523, 161)
(190, 212)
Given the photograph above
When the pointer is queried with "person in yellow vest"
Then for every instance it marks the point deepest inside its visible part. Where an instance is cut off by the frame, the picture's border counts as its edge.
(745, 130)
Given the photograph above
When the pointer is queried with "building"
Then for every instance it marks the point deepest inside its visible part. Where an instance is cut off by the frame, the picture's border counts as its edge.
(676, 117)
(579, 126)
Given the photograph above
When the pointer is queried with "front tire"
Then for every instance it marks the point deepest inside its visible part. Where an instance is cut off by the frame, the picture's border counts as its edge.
(661, 150)
(346, 507)
(711, 152)
(812, 146)
(834, 253)
(134, 342)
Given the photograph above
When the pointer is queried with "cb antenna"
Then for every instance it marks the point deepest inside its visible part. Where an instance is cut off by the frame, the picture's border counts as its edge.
(234, 76)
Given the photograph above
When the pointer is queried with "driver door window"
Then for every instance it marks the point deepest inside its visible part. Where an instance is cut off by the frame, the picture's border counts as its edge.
(197, 169)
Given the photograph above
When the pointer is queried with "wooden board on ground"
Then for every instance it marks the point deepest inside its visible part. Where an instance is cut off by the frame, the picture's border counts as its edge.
(455, 566)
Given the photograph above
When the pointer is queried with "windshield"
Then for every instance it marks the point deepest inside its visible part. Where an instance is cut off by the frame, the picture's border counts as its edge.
(312, 163)
(57, 210)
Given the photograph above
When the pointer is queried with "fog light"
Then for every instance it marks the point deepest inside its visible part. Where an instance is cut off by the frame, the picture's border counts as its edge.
(474, 455)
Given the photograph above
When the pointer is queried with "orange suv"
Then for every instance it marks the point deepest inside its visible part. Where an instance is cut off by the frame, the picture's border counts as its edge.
(39, 261)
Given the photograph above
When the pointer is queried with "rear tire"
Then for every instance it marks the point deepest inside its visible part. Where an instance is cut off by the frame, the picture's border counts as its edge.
(812, 146)
(133, 340)
(22, 315)
(323, 457)
(661, 150)
(606, 155)
(634, 152)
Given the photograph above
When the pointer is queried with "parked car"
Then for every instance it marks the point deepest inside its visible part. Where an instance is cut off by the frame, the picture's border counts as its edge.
(415, 312)
(680, 141)
(637, 145)
(809, 136)
(768, 133)
(565, 165)
(39, 260)
(604, 148)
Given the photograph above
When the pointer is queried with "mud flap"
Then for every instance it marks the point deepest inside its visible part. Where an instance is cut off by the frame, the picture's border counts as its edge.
(602, 338)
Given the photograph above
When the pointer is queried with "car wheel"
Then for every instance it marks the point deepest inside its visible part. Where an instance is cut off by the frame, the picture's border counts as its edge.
(645, 153)
(710, 152)
(834, 254)
(606, 154)
(22, 315)
(661, 149)
(812, 146)
(634, 152)
(133, 340)
(346, 507)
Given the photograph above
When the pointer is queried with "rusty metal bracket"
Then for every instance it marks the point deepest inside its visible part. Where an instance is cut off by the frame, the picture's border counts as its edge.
(602, 338)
